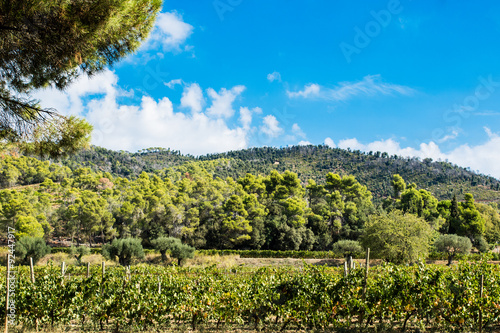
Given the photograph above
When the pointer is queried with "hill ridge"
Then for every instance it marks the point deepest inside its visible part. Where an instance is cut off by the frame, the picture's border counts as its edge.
(373, 169)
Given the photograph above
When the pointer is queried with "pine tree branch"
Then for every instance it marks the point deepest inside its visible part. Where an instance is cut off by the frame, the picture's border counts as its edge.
(3, 27)
(33, 111)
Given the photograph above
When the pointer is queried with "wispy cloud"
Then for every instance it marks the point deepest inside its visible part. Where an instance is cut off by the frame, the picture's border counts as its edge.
(451, 136)
(487, 113)
(172, 83)
(371, 85)
(298, 131)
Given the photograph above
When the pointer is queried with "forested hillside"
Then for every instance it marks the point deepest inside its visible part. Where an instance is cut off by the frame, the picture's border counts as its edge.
(373, 169)
(240, 200)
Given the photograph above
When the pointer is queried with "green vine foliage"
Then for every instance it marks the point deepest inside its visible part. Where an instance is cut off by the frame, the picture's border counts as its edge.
(415, 297)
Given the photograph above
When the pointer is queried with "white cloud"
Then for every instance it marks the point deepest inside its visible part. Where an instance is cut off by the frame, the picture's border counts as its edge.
(222, 102)
(329, 142)
(152, 123)
(70, 101)
(170, 31)
(246, 116)
(393, 147)
(304, 143)
(271, 127)
(155, 123)
(298, 131)
(192, 97)
(274, 76)
(172, 83)
(482, 157)
(371, 85)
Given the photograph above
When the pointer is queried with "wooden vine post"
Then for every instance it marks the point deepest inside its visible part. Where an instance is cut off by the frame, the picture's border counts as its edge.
(367, 266)
(365, 282)
(481, 288)
(32, 271)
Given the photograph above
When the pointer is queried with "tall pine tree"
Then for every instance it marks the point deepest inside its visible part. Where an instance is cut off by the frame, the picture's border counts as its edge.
(52, 42)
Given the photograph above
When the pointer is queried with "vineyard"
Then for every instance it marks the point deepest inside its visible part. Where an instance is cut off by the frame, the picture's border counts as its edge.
(464, 298)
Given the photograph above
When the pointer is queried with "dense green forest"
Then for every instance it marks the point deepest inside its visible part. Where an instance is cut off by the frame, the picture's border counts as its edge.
(240, 200)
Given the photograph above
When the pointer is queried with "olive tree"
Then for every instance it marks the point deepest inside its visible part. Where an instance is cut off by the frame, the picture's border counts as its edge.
(348, 247)
(124, 249)
(453, 245)
(79, 252)
(163, 244)
(174, 245)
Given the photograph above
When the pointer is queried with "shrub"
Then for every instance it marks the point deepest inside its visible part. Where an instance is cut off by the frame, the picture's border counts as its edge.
(33, 247)
(125, 249)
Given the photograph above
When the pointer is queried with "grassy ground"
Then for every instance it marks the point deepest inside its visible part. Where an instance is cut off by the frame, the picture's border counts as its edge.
(220, 261)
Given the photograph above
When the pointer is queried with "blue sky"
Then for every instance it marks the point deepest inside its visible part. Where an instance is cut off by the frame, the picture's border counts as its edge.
(413, 78)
